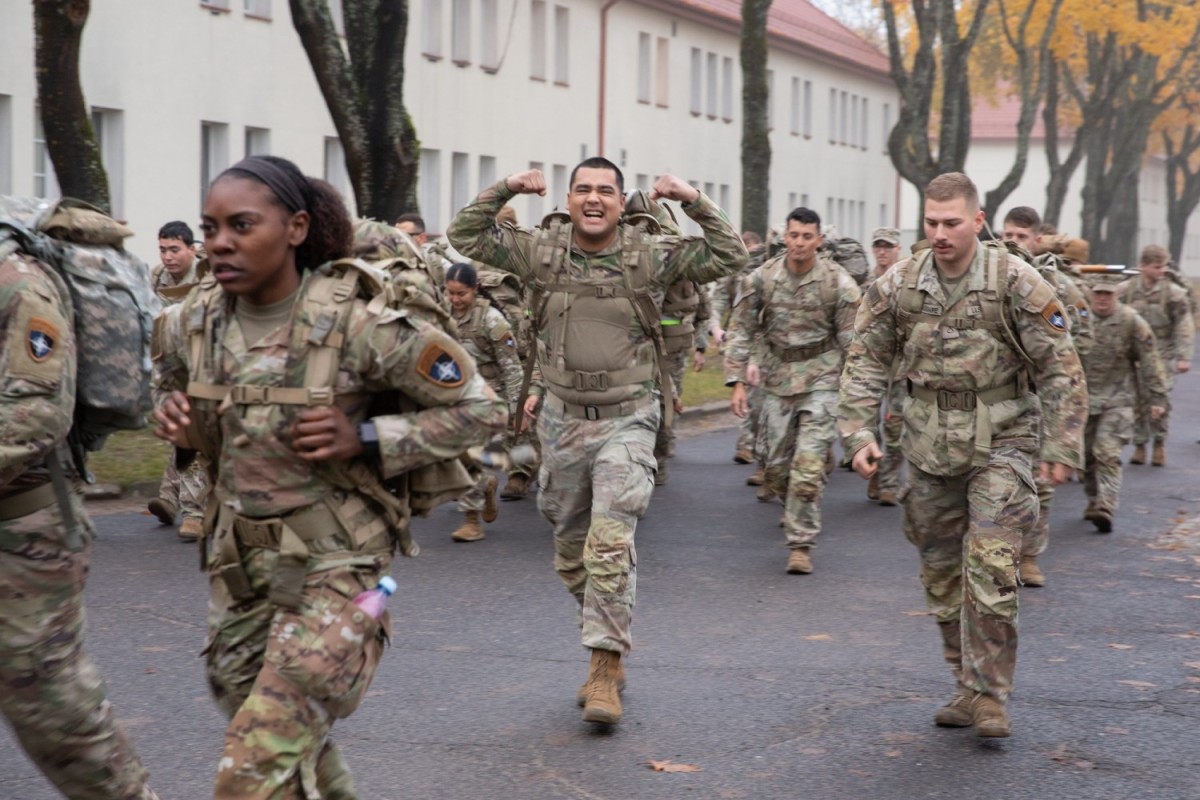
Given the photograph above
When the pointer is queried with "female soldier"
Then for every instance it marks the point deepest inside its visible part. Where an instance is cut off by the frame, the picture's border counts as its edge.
(270, 369)
(486, 335)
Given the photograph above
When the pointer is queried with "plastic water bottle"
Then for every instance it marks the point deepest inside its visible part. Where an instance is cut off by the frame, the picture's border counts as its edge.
(373, 601)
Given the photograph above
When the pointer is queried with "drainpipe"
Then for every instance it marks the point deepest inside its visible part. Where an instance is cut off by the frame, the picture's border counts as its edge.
(603, 69)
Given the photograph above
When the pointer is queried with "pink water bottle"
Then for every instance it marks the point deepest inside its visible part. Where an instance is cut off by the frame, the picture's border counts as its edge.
(373, 601)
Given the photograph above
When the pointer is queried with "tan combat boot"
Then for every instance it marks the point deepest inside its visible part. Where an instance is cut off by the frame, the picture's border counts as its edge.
(830, 461)
(757, 477)
(603, 697)
(471, 530)
(799, 562)
(765, 494)
(743, 456)
(1158, 457)
(660, 473)
(873, 487)
(956, 713)
(190, 529)
(1139, 454)
(164, 510)
(1031, 573)
(989, 717)
(491, 509)
(888, 498)
(581, 695)
(1101, 518)
(516, 487)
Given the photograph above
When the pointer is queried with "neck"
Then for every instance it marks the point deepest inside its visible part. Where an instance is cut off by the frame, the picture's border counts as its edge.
(594, 245)
(1149, 282)
(958, 267)
(801, 267)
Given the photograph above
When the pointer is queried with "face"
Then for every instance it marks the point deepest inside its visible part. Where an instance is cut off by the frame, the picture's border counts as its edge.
(1103, 303)
(176, 256)
(1022, 236)
(802, 240)
(1153, 272)
(461, 296)
(952, 228)
(251, 240)
(885, 254)
(595, 205)
(411, 229)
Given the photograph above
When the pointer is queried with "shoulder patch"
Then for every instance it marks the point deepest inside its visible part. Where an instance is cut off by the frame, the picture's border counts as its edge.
(439, 366)
(41, 339)
(1054, 317)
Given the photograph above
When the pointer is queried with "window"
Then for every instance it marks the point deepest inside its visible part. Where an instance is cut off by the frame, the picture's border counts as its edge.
(833, 116)
(489, 53)
(537, 40)
(661, 85)
(643, 68)
(109, 127)
(429, 191)
(697, 69)
(770, 100)
(883, 215)
(562, 45)
(6, 144)
(335, 171)
(842, 117)
(793, 201)
(487, 171)
(828, 210)
(710, 93)
(795, 126)
(724, 204)
(853, 133)
(257, 8)
(431, 29)
(862, 219)
(808, 109)
(643, 182)
(841, 214)
(215, 5)
(727, 89)
(536, 201)
(258, 141)
(804, 199)
(460, 31)
(710, 190)
(45, 184)
(214, 153)
(558, 186)
(460, 181)
(887, 124)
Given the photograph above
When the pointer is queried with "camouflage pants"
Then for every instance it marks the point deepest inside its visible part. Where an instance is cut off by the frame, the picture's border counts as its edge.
(1146, 428)
(283, 676)
(891, 428)
(1035, 540)
(664, 440)
(748, 430)
(187, 490)
(797, 431)
(1104, 436)
(526, 437)
(596, 480)
(52, 694)
(968, 531)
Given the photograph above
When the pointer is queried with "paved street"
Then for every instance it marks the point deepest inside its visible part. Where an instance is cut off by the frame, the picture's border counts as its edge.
(775, 686)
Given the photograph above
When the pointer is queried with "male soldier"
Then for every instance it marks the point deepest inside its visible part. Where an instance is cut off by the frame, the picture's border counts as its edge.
(1163, 304)
(435, 255)
(967, 320)
(52, 694)
(1021, 226)
(885, 484)
(185, 491)
(597, 302)
(1124, 351)
(801, 305)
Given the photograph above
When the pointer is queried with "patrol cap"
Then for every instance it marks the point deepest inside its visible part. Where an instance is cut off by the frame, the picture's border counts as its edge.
(1105, 282)
(889, 235)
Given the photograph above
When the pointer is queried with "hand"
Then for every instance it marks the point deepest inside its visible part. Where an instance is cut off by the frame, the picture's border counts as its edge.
(866, 460)
(677, 404)
(668, 187)
(1055, 473)
(753, 375)
(531, 409)
(1182, 366)
(529, 182)
(718, 334)
(172, 419)
(699, 361)
(325, 434)
(1156, 412)
(737, 403)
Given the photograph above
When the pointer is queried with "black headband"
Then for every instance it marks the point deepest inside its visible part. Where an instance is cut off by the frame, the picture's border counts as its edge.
(277, 180)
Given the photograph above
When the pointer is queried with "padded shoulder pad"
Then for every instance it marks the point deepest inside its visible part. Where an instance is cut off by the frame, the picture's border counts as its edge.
(1033, 291)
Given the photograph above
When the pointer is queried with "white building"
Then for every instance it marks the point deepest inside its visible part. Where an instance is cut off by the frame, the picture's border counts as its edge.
(180, 89)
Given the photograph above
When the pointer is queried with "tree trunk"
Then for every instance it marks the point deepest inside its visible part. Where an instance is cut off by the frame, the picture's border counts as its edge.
(70, 140)
(1061, 171)
(756, 141)
(1183, 188)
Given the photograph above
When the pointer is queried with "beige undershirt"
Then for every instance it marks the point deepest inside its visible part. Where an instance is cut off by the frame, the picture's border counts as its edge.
(257, 321)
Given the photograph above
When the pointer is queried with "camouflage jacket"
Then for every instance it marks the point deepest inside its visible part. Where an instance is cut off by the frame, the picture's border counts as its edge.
(1074, 302)
(161, 279)
(955, 360)
(485, 334)
(726, 292)
(805, 324)
(1165, 306)
(1124, 352)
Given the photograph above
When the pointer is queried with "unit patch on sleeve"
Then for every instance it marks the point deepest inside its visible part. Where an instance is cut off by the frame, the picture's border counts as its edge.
(1054, 316)
(439, 366)
(41, 339)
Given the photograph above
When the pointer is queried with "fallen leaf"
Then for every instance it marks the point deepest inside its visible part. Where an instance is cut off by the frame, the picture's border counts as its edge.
(1057, 660)
(670, 766)
(862, 773)
(813, 751)
(1192, 664)
(1188, 635)
(1193, 678)
(153, 648)
(1121, 646)
(1139, 684)
(1191, 597)
(1082, 764)
(917, 613)
(892, 753)
(901, 737)
(1115, 731)
(819, 637)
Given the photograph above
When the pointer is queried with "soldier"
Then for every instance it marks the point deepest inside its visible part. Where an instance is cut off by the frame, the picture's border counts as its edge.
(435, 254)
(485, 334)
(1021, 226)
(884, 485)
(53, 696)
(1124, 351)
(801, 305)
(597, 302)
(185, 491)
(1164, 304)
(282, 402)
(963, 317)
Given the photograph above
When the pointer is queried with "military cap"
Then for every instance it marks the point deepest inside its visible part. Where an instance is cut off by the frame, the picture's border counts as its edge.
(889, 235)
(1106, 282)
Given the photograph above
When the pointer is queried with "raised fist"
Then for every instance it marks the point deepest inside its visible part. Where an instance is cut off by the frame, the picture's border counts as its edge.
(528, 182)
(668, 187)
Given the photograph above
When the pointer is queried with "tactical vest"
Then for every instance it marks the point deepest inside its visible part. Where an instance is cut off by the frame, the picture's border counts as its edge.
(473, 329)
(827, 281)
(1158, 313)
(505, 288)
(679, 315)
(173, 294)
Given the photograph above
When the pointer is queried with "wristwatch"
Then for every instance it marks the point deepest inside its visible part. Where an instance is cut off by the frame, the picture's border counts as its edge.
(369, 436)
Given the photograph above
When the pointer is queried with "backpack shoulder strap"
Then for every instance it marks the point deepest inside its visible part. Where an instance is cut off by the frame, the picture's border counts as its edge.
(637, 258)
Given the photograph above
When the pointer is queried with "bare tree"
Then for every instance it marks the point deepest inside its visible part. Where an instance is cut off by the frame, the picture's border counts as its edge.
(1183, 185)
(70, 140)
(363, 84)
(756, 143)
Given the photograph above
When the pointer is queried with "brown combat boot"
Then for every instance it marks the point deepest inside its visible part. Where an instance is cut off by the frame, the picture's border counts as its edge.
(1091, 509)
(873, 487)
(602, 696)
(765, 494)
(799, 562)
(660, 473)
(1158, 457)
(164, 510)
(743, 456)
(516, 487)
(1031, 573)
(830, 461)
(190, 529)
(1139, 454)
(888, 498)
(757, 478)
(491, 509)
(581, 695)
(989, 717)
(1101, 518)
(956, 713)
(471, 530)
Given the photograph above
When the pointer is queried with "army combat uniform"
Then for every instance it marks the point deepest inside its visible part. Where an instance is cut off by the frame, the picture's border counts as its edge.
(891, 428)
(293, 541)
(806, 323)
(971, 429)
(686, 311)
(724, 300)
(50, 691)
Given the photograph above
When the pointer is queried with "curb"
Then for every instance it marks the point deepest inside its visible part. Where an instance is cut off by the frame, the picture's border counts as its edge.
(706, 411)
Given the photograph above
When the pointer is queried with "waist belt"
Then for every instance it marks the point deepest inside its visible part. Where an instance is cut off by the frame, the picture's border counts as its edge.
(22, 504)
(598, 412)
(309, 523)
(805, 352)
(966, 400)
(598, 381)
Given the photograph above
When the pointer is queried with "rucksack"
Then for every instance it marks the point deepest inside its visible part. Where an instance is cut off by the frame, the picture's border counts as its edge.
(849, 255)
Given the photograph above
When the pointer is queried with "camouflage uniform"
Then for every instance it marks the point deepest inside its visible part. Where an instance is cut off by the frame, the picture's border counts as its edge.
(1124, 351)
(294, 541)
(724, 299)
(1166, 306)
(806, 323)
(891, 428)
(971, 433)
(686, 312)
(52, 692)
(485, 334)
(596, 474)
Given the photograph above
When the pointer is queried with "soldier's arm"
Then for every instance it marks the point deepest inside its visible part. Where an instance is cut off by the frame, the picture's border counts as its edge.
(718, 253)
(1151, 371)
(847, 310)
(743, 329)
(475, 233)
(869, 361)
(703, 317)
(1185, 326)
(504, 349)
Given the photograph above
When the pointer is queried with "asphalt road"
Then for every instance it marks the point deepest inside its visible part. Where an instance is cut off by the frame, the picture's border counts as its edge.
(774, 686)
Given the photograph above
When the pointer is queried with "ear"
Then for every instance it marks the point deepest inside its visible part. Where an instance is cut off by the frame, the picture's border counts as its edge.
(297, 228)
(979, 220)
(621, 204)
